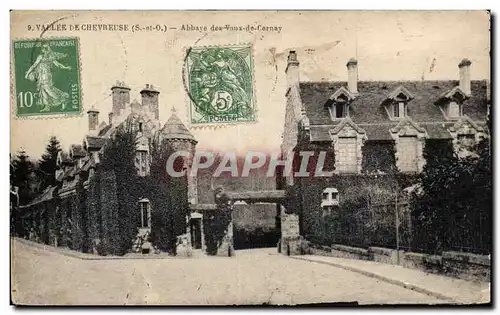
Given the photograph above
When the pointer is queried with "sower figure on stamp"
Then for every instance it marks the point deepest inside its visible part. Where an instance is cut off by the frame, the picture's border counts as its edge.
(41, 71)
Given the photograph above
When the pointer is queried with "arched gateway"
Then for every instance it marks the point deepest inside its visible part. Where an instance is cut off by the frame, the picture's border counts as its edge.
(210, 226)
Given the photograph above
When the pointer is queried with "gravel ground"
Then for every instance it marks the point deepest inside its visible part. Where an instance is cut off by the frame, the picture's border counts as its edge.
(252, 277)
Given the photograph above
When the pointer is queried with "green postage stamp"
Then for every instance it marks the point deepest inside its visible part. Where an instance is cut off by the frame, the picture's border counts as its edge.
(220, 84)
(47, 76)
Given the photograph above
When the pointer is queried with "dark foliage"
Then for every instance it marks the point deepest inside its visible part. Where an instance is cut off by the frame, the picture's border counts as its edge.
(215, 227)
(118, 158)
(168, 196)
(21, 176)
(454, 210)
(365, 215)
(379, 157)
(47, 165)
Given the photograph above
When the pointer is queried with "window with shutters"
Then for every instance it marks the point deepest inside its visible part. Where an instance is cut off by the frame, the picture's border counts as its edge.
(399, 110)
(408, 154)
(339, 111)
(395, 111)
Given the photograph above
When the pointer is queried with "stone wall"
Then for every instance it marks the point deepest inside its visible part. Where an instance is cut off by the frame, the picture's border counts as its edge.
(456, 264)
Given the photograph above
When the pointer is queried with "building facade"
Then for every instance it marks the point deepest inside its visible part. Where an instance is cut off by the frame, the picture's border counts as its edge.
(79, 211)
(373, 132)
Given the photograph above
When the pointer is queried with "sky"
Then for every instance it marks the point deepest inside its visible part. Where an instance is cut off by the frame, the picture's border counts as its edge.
(389, 45)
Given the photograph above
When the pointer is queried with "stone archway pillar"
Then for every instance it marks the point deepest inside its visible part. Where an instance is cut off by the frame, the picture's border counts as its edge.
(291, 241)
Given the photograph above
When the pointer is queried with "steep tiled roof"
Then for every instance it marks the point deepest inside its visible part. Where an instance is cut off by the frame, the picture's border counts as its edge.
(437, 130)
(320, 133)
(64, 158)
(378, 131)
(77, 150)
(46, 195)
(89, 163)
(95, 142)
(103, 131)
(367, 110)
(175, 129)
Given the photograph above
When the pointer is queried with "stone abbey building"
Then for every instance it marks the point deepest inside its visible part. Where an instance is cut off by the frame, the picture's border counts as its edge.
(374, 133)
(78, 211)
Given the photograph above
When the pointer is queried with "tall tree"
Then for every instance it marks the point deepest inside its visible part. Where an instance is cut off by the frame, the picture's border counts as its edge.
(454, 209)
(22, 171)
(48, 163)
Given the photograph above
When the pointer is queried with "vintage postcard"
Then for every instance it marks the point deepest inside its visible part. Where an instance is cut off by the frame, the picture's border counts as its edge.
(250, 158)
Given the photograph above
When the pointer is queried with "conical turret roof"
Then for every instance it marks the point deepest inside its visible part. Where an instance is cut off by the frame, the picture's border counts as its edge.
(175, 129)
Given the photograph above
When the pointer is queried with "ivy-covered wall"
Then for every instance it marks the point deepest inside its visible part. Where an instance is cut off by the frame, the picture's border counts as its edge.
(353, 191)
(378, 157)
(215, 228)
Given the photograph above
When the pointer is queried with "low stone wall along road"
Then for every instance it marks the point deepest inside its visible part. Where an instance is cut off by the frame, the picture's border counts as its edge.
(252, 277)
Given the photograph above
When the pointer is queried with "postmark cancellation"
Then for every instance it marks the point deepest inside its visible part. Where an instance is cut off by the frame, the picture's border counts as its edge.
(220, 84)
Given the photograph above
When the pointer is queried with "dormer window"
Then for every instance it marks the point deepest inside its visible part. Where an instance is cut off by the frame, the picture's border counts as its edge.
(395, 112)
(340, 110)
(454, 110)
(451, 103)
(338, 103)
(399, 99)
(398, 110)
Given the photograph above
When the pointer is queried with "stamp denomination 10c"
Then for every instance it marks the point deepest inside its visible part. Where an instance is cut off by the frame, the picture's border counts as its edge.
(47, 76)
(220, 83)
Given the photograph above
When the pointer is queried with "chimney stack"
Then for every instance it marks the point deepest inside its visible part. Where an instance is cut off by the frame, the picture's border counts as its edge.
(464, 72)
(292, 70)
(93, 115)
(352, 76)
(150, 99)
(121, 97)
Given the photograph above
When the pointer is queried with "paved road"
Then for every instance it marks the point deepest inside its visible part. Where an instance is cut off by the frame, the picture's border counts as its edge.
(252, 277)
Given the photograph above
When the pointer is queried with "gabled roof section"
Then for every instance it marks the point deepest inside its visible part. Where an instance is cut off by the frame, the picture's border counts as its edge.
(465, 120)
(437, 131)
(400, 94)
(455, 94)
(342, 95)
(346, 122)
(47, 195)
(102, 125)
(63, 158)
(366, 109)
(89, 163)
(94, 143)
(103, 131)
(77, 151)
(405, 122)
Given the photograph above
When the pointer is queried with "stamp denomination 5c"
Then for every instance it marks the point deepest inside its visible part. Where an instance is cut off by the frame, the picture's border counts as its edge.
(47, 76)
(220, 83)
